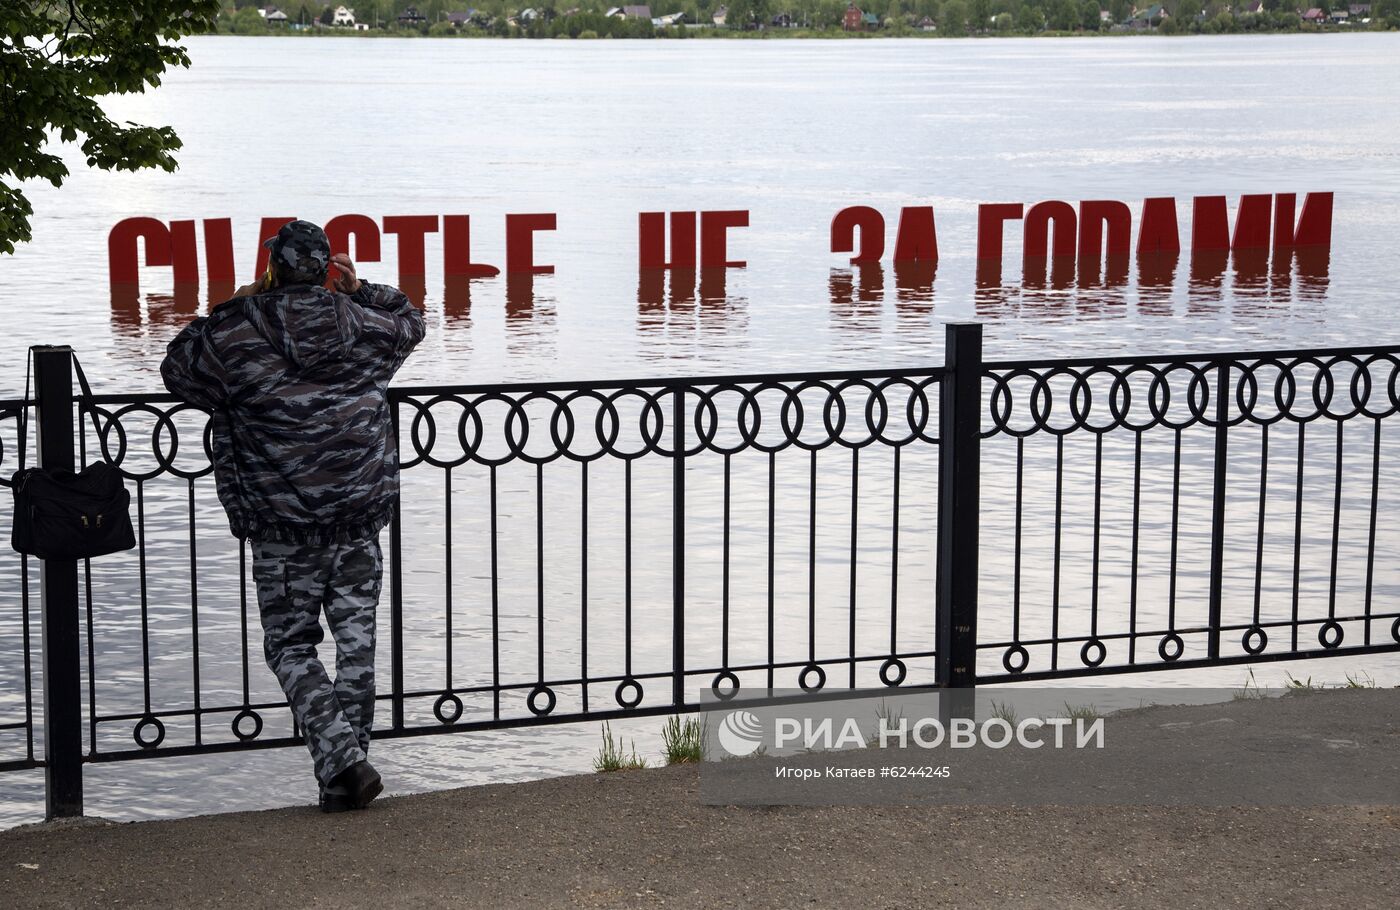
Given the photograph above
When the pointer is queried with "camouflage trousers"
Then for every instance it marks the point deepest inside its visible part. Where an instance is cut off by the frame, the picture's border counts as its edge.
(295, 583)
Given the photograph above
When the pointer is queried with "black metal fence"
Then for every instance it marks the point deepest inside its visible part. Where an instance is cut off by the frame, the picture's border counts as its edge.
(590, 551)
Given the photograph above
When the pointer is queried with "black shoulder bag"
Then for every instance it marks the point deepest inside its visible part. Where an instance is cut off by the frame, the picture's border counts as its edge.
(63, 515)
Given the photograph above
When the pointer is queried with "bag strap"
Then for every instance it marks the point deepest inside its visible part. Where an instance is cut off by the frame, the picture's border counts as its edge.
(25, 403)
(24, 408)
(82, 377)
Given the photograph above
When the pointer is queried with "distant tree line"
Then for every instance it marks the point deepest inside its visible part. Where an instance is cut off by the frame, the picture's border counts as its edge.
(949, 18)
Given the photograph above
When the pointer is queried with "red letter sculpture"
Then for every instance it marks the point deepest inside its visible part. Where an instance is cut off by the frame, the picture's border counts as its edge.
(917, 239)
(714, 241)
(520, 242)
(411, 231)
(872, 233)
(122, 264)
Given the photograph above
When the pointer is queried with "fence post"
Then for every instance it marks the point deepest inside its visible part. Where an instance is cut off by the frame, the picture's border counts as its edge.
(58, 586)
(678, 548)
(396, 583)
(1217, 520)
(959, 452)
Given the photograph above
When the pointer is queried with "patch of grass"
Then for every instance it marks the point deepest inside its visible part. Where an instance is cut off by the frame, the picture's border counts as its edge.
(889, 717)
(1363, 680)
(1005, 711)
(1081, 712)
(683, 741)
(612, 757)
(1294, 684)
(1251, 689)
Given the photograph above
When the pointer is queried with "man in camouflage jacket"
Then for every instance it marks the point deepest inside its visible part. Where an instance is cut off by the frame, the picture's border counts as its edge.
(306, 464)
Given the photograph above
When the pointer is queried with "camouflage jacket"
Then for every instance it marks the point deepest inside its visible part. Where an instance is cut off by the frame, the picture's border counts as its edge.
(295, 381)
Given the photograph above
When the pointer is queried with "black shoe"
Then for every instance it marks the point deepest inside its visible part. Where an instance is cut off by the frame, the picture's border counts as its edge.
(360, 782)
(335, 799)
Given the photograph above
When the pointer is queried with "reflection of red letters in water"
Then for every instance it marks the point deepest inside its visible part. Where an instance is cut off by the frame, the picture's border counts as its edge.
(520, 242)
(872, 233)
(456, 297)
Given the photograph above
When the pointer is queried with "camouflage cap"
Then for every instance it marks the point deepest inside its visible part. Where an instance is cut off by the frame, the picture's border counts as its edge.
(300, 252)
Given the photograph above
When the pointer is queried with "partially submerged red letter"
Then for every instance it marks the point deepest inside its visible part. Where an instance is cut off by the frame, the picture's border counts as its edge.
(411, 231)
(917, 239)
(1158, 232)
(520, 242)
(714, 242)
(872, 233)
(1096, 216)
(123, 266)
(990, 217)
(457, 251)
(1314, 227)
(1035, 242)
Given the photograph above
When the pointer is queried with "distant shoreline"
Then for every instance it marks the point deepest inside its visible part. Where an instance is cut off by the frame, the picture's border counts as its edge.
(786, 35)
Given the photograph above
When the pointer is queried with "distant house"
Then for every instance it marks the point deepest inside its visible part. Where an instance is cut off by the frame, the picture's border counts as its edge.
(273, 15)
(720, 17)
(1315, 15)
(343, 17)
(411, 17)
(927, 25)
(851, 22)
(630, 12)
(1359, 9)
(1253, 9)
(781, 20)
(1341, 16)
(668, 20)
(459, 20)
(1147, 18)
(870, 21)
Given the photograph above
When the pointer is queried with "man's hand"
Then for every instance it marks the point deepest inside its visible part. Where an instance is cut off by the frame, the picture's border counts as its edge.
(248, 290)
(345, 282)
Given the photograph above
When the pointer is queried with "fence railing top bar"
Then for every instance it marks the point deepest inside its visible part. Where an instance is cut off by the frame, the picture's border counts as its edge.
(1215, 359)
(683, 382)
(673, 382)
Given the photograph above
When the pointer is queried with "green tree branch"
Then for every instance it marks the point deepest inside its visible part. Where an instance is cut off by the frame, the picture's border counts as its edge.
(57, 59)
